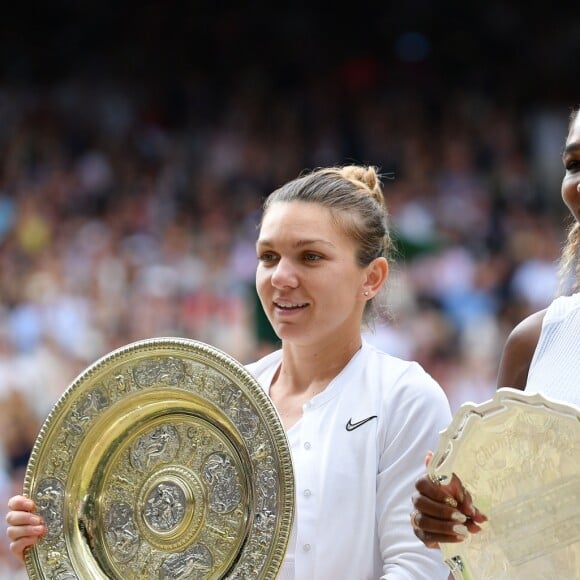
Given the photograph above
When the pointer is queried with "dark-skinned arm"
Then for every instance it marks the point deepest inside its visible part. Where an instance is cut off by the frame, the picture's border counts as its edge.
(518, 352)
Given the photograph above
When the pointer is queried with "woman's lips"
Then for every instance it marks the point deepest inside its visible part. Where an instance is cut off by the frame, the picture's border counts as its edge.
(290, 306)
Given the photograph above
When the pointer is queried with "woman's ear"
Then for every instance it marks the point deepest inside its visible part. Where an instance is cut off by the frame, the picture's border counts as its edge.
(376, 274)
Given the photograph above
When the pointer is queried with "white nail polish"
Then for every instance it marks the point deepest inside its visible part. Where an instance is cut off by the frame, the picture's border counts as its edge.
(459, 517)
(460, 530)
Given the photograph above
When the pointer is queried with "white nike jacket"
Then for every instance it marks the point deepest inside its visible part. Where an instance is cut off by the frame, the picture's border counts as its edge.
(357, 452)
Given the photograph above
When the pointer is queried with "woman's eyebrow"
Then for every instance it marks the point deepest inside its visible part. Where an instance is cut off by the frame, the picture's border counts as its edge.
(297, 244)
(301, 243)
(571, 148)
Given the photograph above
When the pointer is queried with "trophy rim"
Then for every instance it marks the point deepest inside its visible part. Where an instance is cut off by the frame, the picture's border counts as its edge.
(198, 408)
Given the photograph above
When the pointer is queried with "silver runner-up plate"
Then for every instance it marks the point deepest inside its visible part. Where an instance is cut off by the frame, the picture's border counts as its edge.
(518, 455)
(165, 459)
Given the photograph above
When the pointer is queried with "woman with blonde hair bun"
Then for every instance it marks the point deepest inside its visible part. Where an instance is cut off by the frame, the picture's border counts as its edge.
(357, 419)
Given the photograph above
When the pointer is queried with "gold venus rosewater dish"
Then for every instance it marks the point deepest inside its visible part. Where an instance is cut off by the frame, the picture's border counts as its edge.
(164, 459)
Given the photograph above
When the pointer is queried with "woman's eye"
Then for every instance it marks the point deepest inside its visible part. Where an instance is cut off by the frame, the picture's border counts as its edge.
(572, 165)
(310, 257)
(267, 257)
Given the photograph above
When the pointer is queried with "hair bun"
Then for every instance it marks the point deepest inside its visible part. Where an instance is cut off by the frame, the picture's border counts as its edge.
(366, 177)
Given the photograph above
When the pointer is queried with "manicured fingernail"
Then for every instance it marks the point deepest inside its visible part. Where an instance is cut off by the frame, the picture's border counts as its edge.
(40, 529)
(460, 530)
(35, 520)
(459, 517)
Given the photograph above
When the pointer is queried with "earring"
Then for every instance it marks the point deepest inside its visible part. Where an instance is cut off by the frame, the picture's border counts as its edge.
(366, 292)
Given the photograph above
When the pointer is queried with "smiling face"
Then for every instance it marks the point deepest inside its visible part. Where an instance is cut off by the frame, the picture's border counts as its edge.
(571, 159)
(308, 281)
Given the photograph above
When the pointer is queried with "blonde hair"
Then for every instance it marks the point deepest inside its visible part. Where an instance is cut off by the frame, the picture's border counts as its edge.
(354, 196)
(569, 271)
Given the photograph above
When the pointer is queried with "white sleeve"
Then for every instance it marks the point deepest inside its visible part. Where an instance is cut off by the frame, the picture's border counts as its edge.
(418, 411)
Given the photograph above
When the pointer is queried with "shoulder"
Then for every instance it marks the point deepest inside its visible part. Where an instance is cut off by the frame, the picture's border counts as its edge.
(518, 351)
(562, 307)
(412, 406)
(391, 368)
(396, 377)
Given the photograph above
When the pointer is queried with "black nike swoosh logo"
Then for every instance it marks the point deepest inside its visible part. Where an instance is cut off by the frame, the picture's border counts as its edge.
(350, 426)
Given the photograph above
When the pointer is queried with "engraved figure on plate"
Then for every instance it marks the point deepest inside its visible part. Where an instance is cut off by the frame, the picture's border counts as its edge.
(83, 412)
(49, 500)
(194, 563)
(241, 413)
(122, 534)
(168, 371)
(165, 507)
(222, 477)
(158, 446)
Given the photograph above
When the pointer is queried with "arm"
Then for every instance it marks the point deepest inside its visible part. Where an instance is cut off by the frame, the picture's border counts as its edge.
(24, 527)
(436, 520)
(518, 352)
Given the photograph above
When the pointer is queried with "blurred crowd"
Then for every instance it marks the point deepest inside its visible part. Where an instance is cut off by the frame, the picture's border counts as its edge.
(128, 213)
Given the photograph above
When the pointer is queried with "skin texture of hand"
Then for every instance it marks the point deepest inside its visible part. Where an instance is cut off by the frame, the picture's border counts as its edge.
(438, 519)
(25, 528)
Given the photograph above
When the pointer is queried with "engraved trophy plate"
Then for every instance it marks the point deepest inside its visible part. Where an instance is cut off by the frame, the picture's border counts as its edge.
(519, 456)
(165, 459)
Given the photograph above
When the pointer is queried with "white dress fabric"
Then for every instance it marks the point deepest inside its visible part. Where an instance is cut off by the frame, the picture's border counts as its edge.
(554, 370)
(354, 485)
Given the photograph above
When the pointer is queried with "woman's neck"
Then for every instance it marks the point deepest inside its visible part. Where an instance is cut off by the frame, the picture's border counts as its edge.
(307, 368)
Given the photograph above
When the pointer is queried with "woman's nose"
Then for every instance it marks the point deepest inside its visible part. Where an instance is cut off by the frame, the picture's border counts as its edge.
(284, 274)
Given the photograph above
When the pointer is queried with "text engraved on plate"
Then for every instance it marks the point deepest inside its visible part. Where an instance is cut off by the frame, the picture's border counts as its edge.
(523, 524)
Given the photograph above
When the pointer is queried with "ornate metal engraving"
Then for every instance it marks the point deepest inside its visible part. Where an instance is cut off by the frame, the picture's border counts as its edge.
(164, 459)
